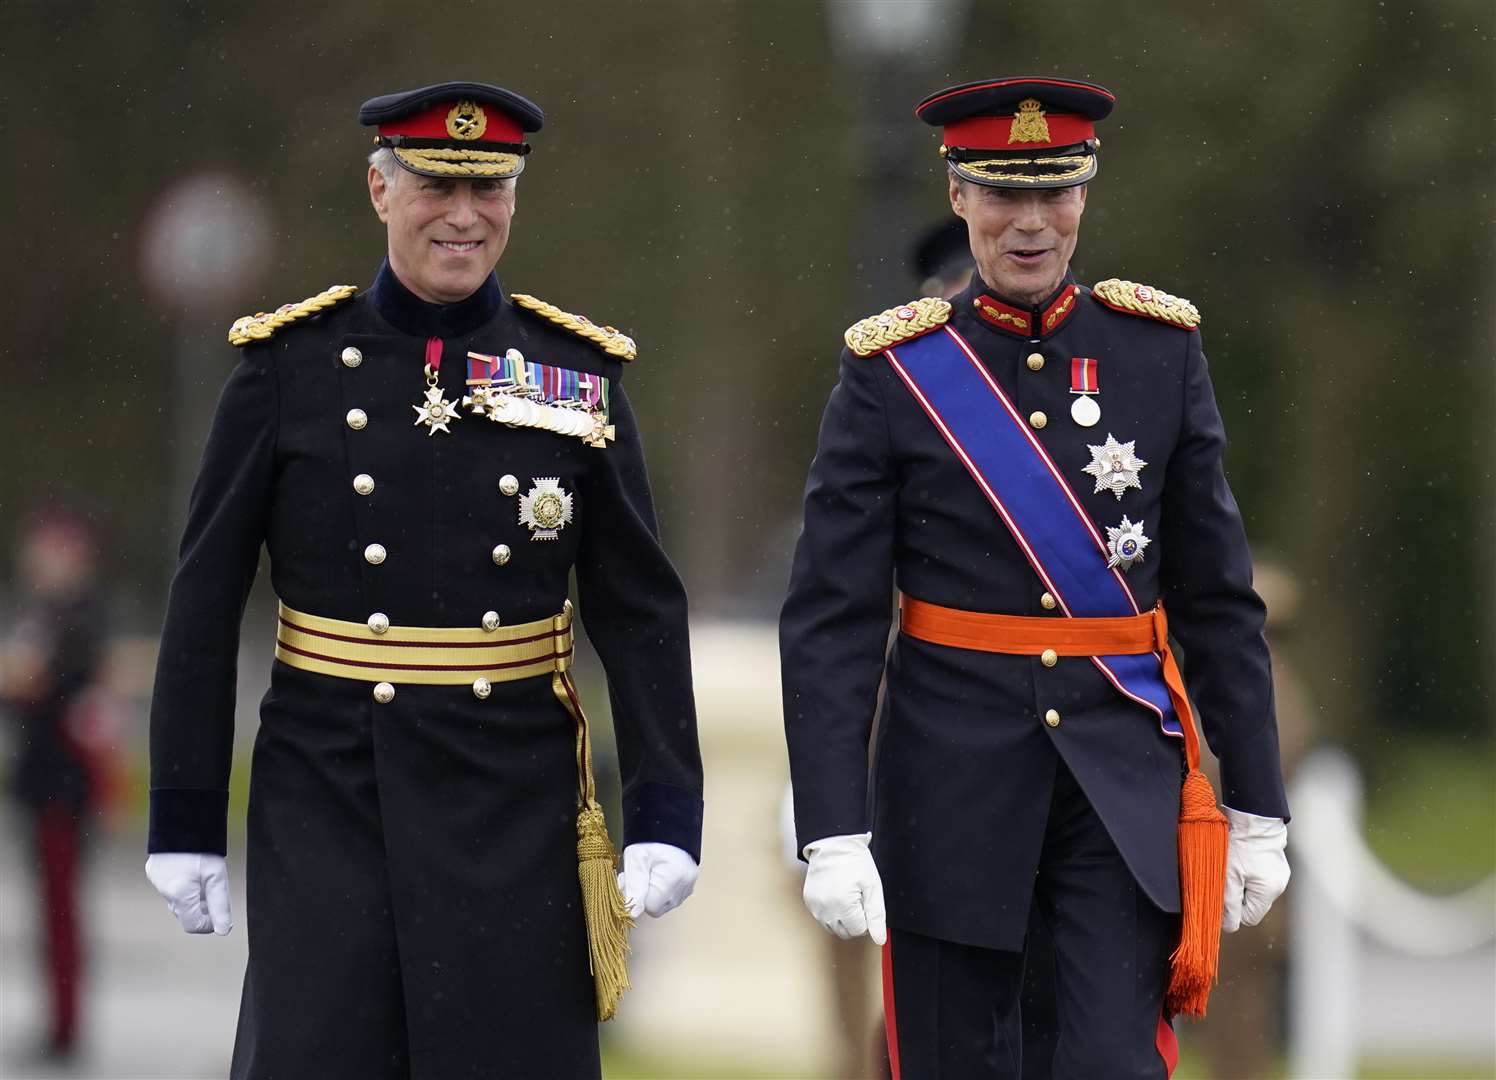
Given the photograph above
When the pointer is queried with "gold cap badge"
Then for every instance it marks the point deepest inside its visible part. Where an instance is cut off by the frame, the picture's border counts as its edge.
(467, 121)
(1029, 124)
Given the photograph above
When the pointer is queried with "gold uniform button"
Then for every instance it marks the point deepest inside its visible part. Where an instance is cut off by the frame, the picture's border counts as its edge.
(363, 483)
(357, 419)
(482, 688)
(490, 621)
(352, 357)
(508, 484)
(1036, 361)
(1038, 420)
(501, 554)
(379, 622)
(1052, 718)
(1047, 602)
(1049, 658)
(384, 693)
(374, 554)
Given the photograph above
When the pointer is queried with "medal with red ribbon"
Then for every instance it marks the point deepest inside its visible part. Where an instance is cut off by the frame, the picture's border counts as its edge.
(435, 411)
(1084, 410)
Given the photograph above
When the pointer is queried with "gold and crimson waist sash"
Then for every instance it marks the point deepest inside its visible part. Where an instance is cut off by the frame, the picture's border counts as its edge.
(469, 656)
(422, 655)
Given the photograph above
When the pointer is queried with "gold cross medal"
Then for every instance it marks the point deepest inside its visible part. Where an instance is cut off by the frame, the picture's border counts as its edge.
(546, 508)
(1115, 466)
(435, 411)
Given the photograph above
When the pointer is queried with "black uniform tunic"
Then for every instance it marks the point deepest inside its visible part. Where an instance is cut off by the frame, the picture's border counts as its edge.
(412, 876)
(965, 763)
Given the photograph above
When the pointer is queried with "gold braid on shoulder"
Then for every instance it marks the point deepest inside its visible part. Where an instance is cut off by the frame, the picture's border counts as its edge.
(262, 326)
(1135, 299)
(611, 341)
(877, 332)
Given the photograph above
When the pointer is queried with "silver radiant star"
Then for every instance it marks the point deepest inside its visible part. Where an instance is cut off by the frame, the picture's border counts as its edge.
(1125, 543)
(1114, 466)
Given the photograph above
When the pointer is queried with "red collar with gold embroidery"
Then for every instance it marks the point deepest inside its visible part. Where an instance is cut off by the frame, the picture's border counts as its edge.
(1018, 321)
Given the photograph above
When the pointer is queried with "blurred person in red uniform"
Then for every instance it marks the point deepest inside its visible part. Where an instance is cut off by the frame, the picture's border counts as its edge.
(54, 657)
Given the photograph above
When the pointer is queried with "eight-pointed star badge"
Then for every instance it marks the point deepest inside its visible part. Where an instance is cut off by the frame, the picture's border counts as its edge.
(1125, 543)
(545, 508)
(1114, 466)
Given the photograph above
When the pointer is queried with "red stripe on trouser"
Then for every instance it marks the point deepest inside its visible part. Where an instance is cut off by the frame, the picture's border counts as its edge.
(890, 1019)
(1167, 1043)
(57, 835)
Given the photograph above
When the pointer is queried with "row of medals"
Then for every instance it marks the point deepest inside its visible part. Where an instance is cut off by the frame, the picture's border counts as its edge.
(514, 405)
(547, 507)
(1115, 468)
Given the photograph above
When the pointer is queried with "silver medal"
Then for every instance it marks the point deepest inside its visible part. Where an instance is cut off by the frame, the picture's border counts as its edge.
(1126, 543)
(1084, 410)
(1115, 466)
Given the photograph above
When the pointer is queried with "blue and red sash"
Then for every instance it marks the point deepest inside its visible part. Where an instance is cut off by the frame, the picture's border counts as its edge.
(1019, 479)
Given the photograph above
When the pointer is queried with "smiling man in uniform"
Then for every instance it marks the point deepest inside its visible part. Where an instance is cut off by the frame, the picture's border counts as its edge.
(1036, 466)
(431, 887)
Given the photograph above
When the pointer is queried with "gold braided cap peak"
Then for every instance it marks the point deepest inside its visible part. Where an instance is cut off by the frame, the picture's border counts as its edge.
(1135, 299)
(263, 325)
(611, 341)
(877, 332)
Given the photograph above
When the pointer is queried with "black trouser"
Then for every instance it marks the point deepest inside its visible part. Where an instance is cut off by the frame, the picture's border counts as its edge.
(954, 1009)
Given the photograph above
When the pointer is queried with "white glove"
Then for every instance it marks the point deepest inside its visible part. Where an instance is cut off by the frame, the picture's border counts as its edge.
(656, 878)
(842, 887)
(196, 888)
(1256, 868)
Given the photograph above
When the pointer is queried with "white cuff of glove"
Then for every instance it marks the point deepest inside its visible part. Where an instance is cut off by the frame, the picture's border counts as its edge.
(1256, 868)
(842, 887)
(196, 889)
(656, 878)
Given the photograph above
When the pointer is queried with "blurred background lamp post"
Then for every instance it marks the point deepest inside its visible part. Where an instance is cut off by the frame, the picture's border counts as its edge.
(204, 243)
(900, 53)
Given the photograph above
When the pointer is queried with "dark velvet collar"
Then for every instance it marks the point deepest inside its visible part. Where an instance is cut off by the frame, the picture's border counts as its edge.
(409, 314)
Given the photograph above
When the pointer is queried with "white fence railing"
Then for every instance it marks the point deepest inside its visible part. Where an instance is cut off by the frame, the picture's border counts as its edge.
(1378, 967)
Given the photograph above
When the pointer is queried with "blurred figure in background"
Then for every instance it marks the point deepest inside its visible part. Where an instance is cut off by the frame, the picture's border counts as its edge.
(1246, 1036)
(53, 663)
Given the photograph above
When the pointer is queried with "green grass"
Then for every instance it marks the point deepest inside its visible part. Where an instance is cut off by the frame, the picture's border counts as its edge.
(1431, 813)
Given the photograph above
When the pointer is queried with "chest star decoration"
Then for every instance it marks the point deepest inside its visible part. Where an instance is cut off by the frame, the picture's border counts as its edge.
(1125, 543)
(1115, 466)
(435, 411)
(546, 508)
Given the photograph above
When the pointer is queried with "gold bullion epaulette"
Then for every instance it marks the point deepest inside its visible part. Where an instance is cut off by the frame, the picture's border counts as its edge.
(611, 341)
(263, 325)
(1135, 299)
(877, 332)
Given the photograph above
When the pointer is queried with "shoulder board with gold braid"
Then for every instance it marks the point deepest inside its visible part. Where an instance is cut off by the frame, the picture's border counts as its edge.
(877, 332)
(262, 326)
(611, 341)
(1135, 299)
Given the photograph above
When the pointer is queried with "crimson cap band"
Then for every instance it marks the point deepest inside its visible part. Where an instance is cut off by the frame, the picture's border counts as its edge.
(455, 129)
(1019, 132)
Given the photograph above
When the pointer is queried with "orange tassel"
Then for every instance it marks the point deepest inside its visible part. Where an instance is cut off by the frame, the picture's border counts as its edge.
(1203, 832)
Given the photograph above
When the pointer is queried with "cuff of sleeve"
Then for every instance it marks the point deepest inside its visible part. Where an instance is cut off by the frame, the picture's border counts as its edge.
(663, 814)
(189, 819)
(1252, 776)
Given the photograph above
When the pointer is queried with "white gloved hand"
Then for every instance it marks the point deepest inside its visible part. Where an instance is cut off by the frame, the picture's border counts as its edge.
(196, 888)
(656, 878)
(842, 887)
(1256, 868)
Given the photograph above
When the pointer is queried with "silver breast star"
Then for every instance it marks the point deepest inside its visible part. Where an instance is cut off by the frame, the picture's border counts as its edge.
(1114, 466)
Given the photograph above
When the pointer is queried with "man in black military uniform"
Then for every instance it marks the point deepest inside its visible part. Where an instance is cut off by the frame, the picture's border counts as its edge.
(1037, 468)
(415, 841)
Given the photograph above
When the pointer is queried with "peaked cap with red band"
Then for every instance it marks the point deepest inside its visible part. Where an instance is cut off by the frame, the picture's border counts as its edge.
(1019, 133)
(455, 129)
